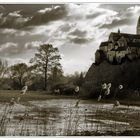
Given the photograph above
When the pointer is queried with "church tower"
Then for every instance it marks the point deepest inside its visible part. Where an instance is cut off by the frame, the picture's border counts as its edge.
(138, 26)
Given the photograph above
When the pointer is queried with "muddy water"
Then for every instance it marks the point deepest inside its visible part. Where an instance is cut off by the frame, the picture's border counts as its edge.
(64, 117)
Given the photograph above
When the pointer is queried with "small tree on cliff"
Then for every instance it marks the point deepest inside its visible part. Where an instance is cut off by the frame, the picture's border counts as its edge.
(45, 60)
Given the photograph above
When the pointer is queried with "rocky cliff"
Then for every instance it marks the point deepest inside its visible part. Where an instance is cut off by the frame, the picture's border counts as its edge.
(127, 74)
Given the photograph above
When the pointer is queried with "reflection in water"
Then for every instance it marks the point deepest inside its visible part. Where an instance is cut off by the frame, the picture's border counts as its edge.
(66, 117)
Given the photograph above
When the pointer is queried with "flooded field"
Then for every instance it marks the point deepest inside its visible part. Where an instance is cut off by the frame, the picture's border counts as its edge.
(65, 117)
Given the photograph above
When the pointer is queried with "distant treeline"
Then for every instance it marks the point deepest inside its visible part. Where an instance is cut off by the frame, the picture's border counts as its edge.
(42, 73)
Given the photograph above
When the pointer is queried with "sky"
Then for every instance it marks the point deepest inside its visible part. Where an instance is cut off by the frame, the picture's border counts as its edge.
(75, 29)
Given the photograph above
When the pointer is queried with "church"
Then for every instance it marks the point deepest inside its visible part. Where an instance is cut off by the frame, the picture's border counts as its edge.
(119, 47)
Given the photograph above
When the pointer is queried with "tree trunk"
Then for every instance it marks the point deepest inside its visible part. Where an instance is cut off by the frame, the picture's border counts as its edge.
(20, 82)
(46, 78)
(45, 82)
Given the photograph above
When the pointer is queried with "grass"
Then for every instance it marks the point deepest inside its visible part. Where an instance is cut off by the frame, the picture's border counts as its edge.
(122, 102)
(6, 95)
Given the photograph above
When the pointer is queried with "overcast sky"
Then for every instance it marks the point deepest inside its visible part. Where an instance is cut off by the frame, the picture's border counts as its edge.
(76, 29)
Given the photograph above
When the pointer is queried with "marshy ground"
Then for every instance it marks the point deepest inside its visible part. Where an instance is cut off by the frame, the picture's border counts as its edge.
(39, 114)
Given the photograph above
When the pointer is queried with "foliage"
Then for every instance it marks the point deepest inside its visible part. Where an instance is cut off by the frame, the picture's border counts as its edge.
(46, 61)
(3, 69)
(20, 75)
(76, 78)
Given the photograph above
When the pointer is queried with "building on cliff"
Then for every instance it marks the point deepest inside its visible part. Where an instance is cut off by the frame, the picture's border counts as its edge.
(120, 46)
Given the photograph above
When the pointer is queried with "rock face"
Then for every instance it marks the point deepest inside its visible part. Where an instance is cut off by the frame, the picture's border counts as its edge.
(126, 74)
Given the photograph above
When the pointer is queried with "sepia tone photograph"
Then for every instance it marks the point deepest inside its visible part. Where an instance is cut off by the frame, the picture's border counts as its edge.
(70, 69)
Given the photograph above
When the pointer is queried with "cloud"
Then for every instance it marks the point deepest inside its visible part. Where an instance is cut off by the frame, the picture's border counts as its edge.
(8, 31)
(79, 11)
(2, 9)
(12, 61)
(78, 36)
(32, 45)
(14, 32)
(65, 27)
(26, 9)
(8, 48)
(98, 12)
(79, 33)
(77, 40)
(15, 14)
(117, 7)
(93, 15)
(12, 20)
(117, 23)
(11, 49)
(123, 18)
(19, 19)
(46, 15)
